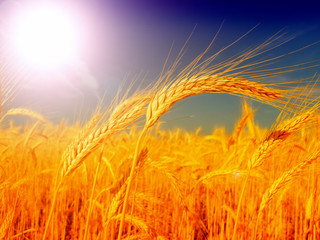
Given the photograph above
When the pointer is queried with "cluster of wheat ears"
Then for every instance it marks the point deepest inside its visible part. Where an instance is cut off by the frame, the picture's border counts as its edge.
(108, 180)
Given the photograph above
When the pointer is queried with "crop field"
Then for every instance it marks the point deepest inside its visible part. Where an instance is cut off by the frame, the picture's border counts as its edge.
(119, 175)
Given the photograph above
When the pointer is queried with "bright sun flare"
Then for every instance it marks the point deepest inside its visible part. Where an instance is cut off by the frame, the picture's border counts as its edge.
(45, 35)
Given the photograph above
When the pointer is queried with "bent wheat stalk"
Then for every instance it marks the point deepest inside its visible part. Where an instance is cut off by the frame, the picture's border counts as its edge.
(177, 91)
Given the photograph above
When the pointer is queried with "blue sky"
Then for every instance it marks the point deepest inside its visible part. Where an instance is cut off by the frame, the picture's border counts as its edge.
(131, 40)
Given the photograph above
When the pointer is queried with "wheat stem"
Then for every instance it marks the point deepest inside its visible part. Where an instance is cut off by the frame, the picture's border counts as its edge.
(134, 163)
(239, 206)
(51, 210)
(91, 196)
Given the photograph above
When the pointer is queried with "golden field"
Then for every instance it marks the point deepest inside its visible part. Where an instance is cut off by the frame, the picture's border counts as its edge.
(120, 176)
(187, 187)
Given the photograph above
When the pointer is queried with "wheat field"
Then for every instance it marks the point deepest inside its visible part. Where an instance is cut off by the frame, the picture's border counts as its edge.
(121, 176)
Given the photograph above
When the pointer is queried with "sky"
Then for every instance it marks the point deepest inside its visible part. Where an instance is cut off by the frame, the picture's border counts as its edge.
(123, 41)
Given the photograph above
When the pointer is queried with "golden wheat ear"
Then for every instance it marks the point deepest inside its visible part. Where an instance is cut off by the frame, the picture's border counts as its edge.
(169, 95)
(125, 114)
(24, 112)
(278, 136)
(286, 178)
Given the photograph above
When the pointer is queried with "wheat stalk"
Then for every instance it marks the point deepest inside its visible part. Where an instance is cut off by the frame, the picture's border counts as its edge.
(77, 151)
(6, 224)
(170, 94)
(118, 198)
(195, 79)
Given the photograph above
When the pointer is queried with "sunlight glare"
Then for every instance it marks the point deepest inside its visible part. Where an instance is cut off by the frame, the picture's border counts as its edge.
(46, 35)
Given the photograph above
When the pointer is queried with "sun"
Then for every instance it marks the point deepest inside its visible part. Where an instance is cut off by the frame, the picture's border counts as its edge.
(46, 35)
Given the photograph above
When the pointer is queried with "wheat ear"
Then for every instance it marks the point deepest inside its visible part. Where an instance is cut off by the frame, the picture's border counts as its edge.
(240, 125)
(280, 134)
(24, 112)
(125, 115)
(285, 179)
(169, 95)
